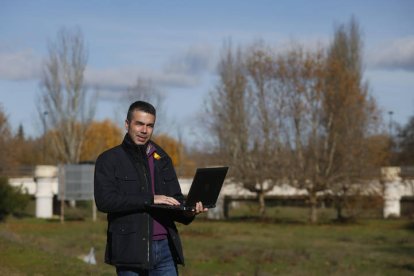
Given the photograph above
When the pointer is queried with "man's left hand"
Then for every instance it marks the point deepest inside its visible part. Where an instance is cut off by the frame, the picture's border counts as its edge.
(198, 209)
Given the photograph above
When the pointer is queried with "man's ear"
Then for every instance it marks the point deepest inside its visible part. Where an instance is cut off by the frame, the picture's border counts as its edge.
(126, 125)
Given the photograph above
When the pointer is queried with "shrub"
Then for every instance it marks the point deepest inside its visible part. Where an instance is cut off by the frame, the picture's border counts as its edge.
(12, 200)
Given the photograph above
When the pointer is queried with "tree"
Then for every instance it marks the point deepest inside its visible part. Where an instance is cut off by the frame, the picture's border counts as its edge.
(12, 200)
(26, 150)
(99, 137)
(300, 77)
(406, 144)
(64, 94)
(332, 119)
(352, 111)
(242, 116)
(265, 161)
(227, 113)
(20, 133)
(301, 116)
(7, 155)
(172, 147)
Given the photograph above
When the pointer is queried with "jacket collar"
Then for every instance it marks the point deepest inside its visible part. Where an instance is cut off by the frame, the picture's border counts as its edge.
(131, 147)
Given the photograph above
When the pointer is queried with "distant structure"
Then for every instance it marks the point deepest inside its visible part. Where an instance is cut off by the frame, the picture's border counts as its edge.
(43, 185)
(396, 183)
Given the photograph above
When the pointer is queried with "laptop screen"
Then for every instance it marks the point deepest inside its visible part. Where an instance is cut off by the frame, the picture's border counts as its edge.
(206, 186)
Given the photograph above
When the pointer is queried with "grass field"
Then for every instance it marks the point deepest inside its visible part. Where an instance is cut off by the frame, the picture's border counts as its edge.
(282, 244)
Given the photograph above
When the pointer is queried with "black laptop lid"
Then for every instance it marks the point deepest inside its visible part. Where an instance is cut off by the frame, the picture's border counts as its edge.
(206, 186)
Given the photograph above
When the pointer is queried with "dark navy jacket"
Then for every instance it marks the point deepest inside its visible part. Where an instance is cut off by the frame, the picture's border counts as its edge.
(122, 189)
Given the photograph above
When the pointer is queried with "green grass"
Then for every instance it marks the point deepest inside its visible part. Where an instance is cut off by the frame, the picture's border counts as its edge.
(281, 244)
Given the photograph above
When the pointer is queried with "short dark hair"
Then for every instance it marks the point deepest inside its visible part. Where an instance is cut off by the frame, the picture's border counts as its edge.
(140, 106)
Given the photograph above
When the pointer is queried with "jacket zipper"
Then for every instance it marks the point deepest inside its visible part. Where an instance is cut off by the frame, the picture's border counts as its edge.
(148, 222)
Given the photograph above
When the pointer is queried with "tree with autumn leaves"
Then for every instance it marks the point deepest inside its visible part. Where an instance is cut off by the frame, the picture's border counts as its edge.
(99, 136)
(302, 117)
(103, 135)
(333, 120)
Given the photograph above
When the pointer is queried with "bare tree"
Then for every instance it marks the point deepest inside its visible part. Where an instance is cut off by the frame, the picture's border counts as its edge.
(265, 167)
(64, 94)
(299, 74)
(242, 117)
(227, 111)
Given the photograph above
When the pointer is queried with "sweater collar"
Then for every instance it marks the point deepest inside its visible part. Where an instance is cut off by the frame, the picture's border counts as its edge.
(150, 149)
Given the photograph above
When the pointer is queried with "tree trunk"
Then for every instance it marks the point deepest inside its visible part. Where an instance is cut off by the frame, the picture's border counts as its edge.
(313, 208)
(262, 203)
(339, 215)
(339, 208)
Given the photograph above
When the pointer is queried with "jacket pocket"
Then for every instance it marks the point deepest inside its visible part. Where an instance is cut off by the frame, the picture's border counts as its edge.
(127, 245)
(128, 182)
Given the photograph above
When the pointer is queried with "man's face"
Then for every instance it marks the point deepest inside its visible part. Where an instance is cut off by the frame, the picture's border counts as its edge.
(140, 127)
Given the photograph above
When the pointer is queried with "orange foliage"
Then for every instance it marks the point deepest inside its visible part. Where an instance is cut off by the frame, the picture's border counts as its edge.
(100, 136)
(171, 146)
(184, 165)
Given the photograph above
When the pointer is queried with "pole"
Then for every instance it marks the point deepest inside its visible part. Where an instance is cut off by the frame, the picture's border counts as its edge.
(93, 210)
(390, 113)
(44, 136)
(390, 124)
(62, 192)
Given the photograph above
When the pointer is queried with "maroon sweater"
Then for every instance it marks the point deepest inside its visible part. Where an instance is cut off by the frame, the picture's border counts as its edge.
(159, 231)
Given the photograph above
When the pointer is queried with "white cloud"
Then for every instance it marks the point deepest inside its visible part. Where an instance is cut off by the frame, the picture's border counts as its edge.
(20, 65)
(121, 78)
(25, 65)
(182, 70)
(196, 61)
(398, 54)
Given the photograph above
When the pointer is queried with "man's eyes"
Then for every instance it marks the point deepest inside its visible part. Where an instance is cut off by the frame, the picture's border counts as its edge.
(142, 124)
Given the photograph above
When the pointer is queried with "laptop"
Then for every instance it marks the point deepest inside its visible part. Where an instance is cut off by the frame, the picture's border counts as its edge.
(206, 187)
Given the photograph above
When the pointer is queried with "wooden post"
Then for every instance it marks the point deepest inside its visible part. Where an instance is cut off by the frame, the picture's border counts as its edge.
(226, 203)
(93, 210)
(62, 192)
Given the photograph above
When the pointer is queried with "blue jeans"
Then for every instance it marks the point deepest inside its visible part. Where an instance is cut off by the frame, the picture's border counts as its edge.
(163, 265)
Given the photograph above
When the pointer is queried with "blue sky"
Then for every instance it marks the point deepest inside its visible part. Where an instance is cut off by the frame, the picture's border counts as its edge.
(176, 44)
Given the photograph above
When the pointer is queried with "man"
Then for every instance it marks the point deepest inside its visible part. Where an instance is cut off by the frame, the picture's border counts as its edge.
(129, 178)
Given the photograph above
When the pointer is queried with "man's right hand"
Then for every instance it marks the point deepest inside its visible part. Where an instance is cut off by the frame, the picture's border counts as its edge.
(162, 199)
